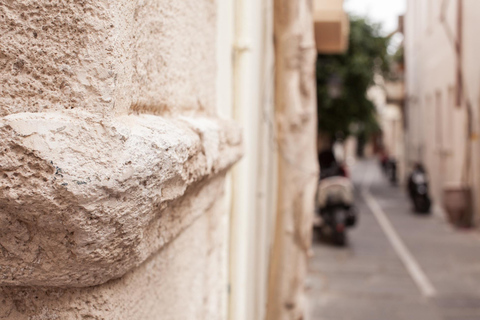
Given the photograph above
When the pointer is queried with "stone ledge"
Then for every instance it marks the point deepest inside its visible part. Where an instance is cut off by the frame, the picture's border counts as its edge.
(83, 200)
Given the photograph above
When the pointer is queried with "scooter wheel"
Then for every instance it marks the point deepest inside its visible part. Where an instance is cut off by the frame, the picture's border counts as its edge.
(339, 239)
(422, 205)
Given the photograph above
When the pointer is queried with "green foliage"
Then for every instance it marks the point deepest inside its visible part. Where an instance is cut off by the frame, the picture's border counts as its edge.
(350, 112)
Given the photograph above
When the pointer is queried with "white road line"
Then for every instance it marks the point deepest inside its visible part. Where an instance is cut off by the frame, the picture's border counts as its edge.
(412, 266)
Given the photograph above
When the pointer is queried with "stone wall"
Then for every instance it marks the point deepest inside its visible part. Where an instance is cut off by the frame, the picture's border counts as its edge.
(171, 284)
(107, 57)
(296, 121)
(112, 161)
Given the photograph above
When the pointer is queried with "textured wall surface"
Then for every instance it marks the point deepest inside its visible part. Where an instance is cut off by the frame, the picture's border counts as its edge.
(112, 161)
(186, 280)
(55, 55)
(105, 56)
(295, 106)
(174, 63)
(83, 200)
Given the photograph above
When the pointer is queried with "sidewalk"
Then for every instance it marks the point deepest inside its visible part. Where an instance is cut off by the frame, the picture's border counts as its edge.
(368, 281)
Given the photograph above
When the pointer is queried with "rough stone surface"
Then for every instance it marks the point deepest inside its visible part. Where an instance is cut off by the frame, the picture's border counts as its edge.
(185, 280)
(295, 101)
(107, 56)
(107, 212)
(83, 200)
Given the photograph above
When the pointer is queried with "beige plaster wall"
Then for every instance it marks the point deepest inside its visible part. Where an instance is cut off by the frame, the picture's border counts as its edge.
(295, 114)
(84, 200)
(437, 132)
(107, 57)
(472, 77)
(107, 212)
(185, 280)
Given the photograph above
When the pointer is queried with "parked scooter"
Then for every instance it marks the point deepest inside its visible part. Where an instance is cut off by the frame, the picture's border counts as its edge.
(335, 207)
(389, 166)
(418, 189)
(392, 171)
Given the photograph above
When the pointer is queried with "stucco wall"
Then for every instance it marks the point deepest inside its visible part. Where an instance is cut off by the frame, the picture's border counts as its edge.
(296, 124)
(112, 161)
(437, 127)
(107, 56)
(186, 280)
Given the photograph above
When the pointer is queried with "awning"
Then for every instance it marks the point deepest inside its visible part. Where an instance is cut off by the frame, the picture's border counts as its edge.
(332, 26)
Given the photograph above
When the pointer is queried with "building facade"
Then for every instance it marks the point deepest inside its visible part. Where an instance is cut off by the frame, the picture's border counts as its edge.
(388, 98)
(443, 95)
(120, 122)
(113, 161)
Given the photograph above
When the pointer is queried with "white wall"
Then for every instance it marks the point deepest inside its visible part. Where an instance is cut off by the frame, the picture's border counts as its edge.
(245, 90)
(436, 126)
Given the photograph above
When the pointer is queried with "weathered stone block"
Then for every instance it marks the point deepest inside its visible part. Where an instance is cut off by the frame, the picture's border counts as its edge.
(84, 200)
(107, 56)
(185, 280)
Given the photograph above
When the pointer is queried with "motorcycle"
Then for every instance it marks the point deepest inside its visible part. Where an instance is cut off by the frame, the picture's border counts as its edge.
(418, 190)
(389, 168)
(335, 208)
(392, 171)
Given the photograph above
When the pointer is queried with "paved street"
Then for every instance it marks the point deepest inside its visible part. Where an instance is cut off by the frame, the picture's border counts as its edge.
(367, 280)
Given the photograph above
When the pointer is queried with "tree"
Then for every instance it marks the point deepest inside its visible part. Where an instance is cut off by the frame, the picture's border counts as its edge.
(343, 81)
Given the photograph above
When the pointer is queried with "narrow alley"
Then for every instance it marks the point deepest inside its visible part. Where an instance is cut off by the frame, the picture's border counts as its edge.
(368, 280)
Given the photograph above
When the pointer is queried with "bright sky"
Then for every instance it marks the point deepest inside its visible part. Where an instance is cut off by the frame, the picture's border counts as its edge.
(383, 11)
